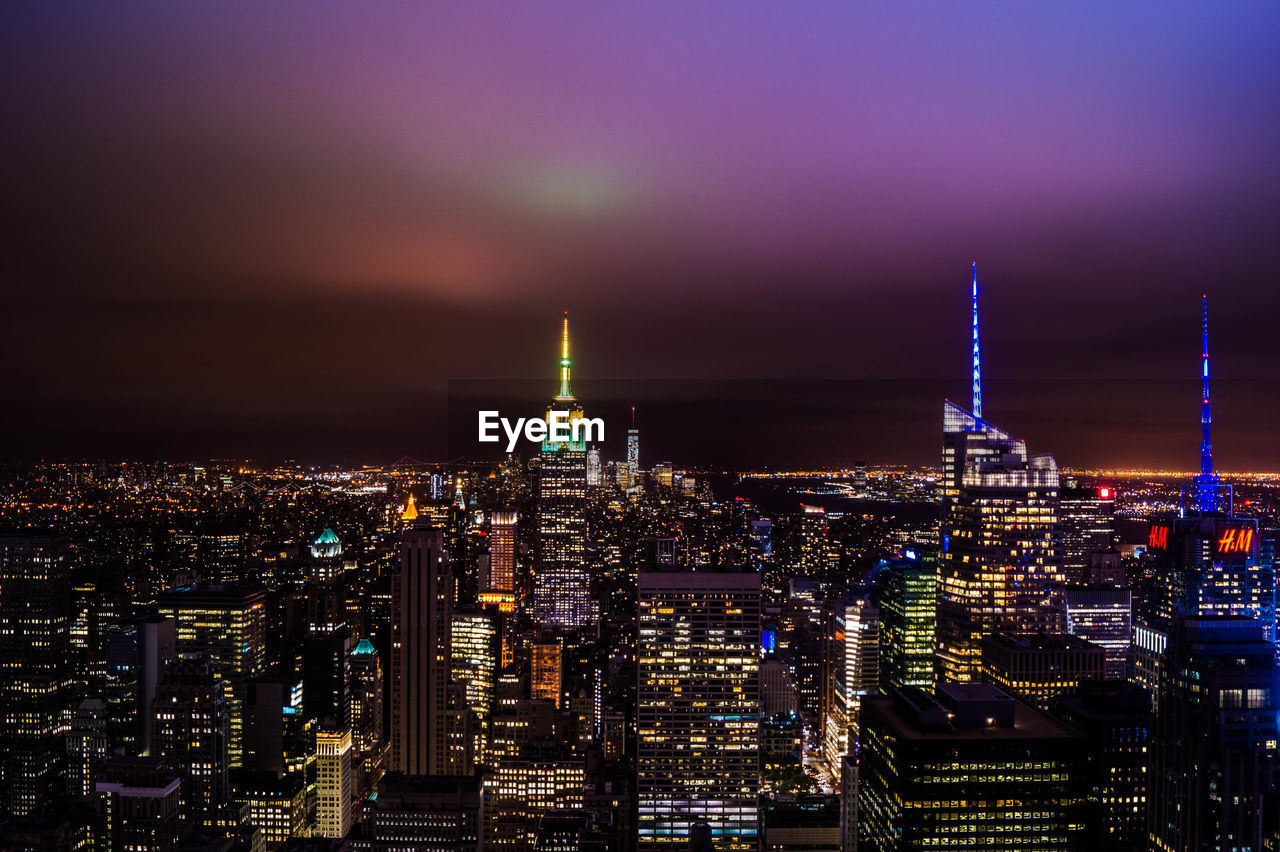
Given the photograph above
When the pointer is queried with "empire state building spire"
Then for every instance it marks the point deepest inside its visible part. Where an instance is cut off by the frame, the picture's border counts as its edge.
(565, 394)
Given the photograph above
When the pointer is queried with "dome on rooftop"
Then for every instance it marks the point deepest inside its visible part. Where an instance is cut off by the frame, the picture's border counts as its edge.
(327, 545)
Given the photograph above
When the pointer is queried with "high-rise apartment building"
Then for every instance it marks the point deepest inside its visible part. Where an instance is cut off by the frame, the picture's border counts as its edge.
(698, 707)
(277, 805)
(851, 672)
(561, 593)
(156, 639)
(35, 665)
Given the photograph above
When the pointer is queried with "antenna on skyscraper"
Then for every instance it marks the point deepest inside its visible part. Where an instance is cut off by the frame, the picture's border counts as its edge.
(565, 362)
(977, 351)
(1207, 481)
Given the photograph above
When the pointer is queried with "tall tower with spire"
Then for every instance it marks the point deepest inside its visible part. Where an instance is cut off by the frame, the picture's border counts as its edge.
(561, 594)
(1207, 482)
(977, 351)
(1207, 563)
(1001, 561)
(633, 451)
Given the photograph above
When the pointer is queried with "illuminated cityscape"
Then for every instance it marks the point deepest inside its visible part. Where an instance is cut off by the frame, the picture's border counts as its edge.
(889, 657)
(324, 529)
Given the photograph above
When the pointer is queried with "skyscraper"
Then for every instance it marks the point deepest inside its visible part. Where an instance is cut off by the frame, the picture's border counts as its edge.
(86, 746)
(366, 698)
(334, 793)
(1115, 716)
(35, 656)
(633, 451)
(908, 609)
(1000, 566)
(428, 729)
(1104, 616)
(227, 624)
(138, 805)
(1087, 526)
(426, 814)
(501, 587)
(473, 653)
(1208, 562)
(157, 646)
(968, 768)
(192, 730)
(1037, 669)
(1214, 751)
(698, 706)
(561, 594)
(856, 671)
(1001, 561)
(326, 677)
(546, 670)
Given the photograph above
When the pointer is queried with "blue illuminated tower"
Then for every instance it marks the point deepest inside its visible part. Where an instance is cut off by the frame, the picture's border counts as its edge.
(977, 354)
(1000, 566)
(1207, 481)
(1208, 562)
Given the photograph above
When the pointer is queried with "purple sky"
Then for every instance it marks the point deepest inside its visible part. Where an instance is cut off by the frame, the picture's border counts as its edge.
(278, 229)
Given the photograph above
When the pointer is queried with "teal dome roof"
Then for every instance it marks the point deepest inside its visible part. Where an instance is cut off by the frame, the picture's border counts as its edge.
(327, 545)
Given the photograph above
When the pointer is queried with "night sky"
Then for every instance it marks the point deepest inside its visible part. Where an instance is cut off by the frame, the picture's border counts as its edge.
(280, 230)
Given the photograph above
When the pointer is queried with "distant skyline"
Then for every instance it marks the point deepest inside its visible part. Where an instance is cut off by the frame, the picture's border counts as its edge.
(272, 232)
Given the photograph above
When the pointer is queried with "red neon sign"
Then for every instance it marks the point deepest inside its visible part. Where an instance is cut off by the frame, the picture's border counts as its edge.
(1158, 537)
(1236, 540)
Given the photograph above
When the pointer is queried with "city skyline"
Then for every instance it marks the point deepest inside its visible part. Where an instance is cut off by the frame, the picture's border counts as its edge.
(662, 427)
(278, 238)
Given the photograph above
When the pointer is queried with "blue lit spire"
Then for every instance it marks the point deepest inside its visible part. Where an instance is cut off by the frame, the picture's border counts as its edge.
(1207, 481)
(977, 351)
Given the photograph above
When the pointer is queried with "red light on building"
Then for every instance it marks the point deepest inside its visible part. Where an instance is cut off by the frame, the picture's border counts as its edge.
(1104, 492)
(1158, 537)
(1235, 540)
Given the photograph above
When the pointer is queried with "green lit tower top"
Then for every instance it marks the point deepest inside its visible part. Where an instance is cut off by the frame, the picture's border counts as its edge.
(566, 363)
(560, 592)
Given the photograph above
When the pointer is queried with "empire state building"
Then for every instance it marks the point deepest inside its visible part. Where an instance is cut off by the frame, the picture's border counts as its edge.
(561, 597)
